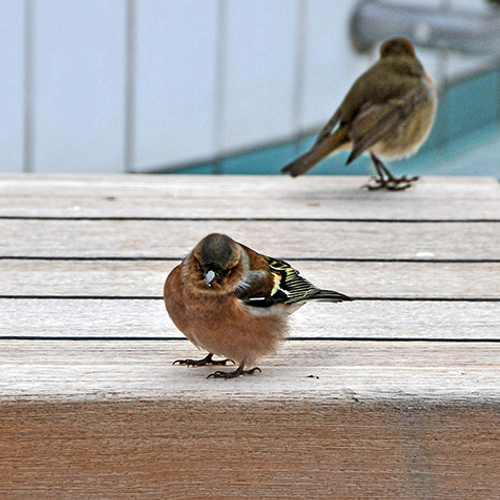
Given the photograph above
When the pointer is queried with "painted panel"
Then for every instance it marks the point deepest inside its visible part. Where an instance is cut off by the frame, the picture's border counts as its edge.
(331, 64)
(12, 88)
(175, 82)
(79, 78)
(259, 78)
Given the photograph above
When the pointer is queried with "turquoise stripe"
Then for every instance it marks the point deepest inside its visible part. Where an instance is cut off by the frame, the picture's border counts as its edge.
(465, 140)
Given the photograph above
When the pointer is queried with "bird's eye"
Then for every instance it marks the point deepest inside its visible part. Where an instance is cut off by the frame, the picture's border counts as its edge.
(197, 265)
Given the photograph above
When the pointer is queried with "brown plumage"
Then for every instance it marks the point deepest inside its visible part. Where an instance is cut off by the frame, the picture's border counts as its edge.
(232, 301)
(388, 112)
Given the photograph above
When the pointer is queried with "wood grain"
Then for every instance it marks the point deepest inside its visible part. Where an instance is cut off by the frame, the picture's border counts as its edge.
(364, 371)
(283, 239)
(199, 449)
(393, 396)
(292, 353)
(330, 197)
(146, 278)
(148, 318)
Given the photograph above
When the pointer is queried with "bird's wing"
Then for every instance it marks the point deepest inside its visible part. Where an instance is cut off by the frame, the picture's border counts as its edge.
(327, 129)
(376, 120)
(279, 284)
(288, 287)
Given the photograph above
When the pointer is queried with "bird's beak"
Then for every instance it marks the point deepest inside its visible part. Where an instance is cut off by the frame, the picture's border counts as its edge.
(209, 277)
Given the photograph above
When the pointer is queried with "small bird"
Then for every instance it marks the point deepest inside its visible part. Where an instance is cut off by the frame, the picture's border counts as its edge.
(389, 112)
(232, 301)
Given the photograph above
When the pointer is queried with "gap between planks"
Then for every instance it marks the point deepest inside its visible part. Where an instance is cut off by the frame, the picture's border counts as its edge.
(246, 219)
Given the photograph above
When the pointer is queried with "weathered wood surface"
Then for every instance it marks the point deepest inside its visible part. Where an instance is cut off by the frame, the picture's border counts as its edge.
(136, 278)
(111, 318)
(321, 371)
(284, 239)
(452, 198)
(395, 395)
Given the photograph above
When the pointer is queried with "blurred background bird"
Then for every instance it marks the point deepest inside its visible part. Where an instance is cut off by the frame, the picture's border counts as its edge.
(389, 112)
(234, 302)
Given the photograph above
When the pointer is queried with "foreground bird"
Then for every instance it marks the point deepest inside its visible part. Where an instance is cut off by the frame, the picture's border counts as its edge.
(389, 112)
(234, 302)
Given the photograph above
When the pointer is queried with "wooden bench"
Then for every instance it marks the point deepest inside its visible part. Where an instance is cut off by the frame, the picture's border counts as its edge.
(393, 396)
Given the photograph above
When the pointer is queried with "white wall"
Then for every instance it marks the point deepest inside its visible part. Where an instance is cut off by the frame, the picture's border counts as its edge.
(210, 77)
(175, 81)
(79, 81)
(11, 88)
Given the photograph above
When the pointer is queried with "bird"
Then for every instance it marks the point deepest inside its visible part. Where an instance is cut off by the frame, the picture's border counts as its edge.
(388, 112)
(232, 301)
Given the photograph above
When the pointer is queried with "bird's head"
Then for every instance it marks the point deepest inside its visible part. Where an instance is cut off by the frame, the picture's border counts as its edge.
(396, 47)
(215, 264)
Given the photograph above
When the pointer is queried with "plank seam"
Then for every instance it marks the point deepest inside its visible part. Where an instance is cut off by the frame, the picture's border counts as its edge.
(298, 259)
(159, 297)
(295, 339)
(243, 219)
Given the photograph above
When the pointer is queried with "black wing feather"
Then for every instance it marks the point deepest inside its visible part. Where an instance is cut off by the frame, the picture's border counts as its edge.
(292, 288)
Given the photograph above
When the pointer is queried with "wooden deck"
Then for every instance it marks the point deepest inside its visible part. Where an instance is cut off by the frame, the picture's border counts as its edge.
(393, 396)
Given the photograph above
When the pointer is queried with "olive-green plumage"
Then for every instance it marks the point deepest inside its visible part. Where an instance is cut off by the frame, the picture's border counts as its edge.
(388, 112)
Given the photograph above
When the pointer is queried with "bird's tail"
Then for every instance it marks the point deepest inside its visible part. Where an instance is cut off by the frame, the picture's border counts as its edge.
(317, 153)
(328, 296)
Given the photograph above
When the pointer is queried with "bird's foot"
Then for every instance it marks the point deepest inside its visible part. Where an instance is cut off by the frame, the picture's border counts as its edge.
(236, 373)
(206, 361)
(391, 183)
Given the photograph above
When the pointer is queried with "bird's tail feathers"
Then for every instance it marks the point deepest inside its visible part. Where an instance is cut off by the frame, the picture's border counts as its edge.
(328, 296)
(317, 153)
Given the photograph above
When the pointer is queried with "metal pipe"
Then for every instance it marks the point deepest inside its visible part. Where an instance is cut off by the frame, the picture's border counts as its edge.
(219, 118)
(28, 139)
(130, 45)
(463, 31)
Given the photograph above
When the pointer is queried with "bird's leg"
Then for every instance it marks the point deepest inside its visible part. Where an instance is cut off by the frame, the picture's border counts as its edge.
(386, 180)
(236, 373)
(207, 360)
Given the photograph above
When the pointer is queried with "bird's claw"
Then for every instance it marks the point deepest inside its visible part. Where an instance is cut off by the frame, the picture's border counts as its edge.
(234, 374)
(391, 184)
(203, 362)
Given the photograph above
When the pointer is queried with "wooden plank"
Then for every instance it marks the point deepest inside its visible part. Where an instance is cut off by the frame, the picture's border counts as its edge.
(80, 318)
(325, 197)
(146, 278)
(106, 354)
(381, 420)
(202, 449)
(415, 418)
(344, 371)
(285, 239)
